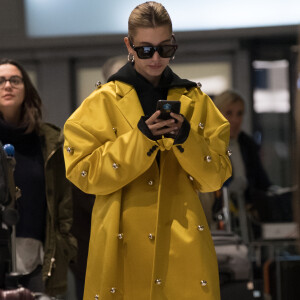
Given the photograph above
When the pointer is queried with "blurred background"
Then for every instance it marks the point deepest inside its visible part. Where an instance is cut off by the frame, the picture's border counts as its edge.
(251, 46)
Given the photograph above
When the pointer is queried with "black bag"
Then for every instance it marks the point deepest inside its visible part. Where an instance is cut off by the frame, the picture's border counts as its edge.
(273, 207)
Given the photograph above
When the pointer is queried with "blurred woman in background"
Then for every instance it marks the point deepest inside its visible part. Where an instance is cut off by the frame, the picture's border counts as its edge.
(44, 245)
(249, 178)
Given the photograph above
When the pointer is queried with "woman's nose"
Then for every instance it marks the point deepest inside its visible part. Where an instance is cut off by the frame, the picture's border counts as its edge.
(7, 84)
(156, 56)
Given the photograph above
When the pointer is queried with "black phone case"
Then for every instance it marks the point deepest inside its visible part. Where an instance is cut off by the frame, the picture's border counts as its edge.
(166, 107)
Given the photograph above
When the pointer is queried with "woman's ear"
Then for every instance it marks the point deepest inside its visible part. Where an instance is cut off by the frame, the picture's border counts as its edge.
(173, 39)
(127, 43)
(129, 49)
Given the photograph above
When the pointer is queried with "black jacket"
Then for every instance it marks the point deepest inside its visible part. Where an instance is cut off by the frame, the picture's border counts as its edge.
(255, 172)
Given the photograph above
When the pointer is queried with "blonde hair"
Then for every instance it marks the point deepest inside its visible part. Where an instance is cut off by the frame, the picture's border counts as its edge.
(226, 98)
(148, 14)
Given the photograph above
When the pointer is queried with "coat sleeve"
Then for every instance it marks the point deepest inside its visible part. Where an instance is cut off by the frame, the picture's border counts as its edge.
(204, 154)
(59, 240)
(102, 151)
(58, 188)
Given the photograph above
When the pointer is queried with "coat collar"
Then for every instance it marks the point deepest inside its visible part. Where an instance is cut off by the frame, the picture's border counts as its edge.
(181, 94)
(129, 103)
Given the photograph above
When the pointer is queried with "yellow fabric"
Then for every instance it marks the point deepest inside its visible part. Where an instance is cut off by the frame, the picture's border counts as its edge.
(135, 197)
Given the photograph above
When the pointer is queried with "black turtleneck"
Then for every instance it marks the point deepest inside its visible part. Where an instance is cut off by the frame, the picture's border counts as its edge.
(29, 177)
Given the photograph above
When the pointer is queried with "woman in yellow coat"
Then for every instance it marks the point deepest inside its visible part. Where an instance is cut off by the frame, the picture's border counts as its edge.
(149, 235)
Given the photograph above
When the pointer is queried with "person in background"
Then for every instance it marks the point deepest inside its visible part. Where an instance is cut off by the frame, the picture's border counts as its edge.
(249, 178)
(44, 245)
(149, 236)
(113, 65)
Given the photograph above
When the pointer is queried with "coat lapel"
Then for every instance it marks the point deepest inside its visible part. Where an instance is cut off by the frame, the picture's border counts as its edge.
(129, 104)
(180, 94)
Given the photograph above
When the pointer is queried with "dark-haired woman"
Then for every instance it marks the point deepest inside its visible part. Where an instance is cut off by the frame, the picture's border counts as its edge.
(44, 245)
(149, 235)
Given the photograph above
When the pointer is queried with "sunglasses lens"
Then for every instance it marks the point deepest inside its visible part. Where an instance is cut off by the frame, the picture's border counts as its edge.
(145, 52)
(167, 51)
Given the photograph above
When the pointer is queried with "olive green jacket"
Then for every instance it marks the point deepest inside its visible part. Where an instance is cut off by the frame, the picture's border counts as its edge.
(60, 246)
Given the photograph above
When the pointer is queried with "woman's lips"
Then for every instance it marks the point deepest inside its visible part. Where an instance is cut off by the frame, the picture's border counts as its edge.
(155, 67)
(8, 96)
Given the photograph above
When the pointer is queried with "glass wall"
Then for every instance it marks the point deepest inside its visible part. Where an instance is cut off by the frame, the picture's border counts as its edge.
(273, 122)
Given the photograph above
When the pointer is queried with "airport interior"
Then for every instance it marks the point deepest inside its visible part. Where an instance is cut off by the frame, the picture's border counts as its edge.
(261, 62)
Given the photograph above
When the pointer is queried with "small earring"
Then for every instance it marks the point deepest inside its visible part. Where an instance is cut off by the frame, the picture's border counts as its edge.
(173, 57)
(130, 57)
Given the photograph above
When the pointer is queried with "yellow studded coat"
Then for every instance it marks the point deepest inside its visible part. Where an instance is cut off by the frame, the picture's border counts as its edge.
(149, 235)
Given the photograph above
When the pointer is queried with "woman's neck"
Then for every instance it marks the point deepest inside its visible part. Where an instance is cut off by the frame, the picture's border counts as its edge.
(11, 117)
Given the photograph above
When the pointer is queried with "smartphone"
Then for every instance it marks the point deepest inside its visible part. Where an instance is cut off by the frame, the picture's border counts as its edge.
(166, 107)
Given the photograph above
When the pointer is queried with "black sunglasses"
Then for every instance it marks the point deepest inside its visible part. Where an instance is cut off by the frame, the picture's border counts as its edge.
(144, 52)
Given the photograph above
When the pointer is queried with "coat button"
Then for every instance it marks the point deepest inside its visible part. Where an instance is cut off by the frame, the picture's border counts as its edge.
(150, 182)
(151, 150)
(201, 125)
(115, 130)
(208, 158)
(203, 282)
(158, 281)
(229, 152)
(97, 297)
(115, 166)
(113, 290)
(70, 150)
(120, 236)
(191, 178)
(151, 236)
(200, 227)
(52, 265)
(180, 148)
(18, 192)
(83, 173)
